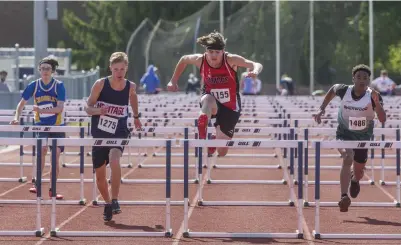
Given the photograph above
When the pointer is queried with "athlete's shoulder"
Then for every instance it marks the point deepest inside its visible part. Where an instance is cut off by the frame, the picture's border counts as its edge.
(131, 84)
(32, 83)
(100, 81)
(340, 89)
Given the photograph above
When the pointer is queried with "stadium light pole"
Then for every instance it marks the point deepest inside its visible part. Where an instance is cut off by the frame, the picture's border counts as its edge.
(311, 49)
(277, 43)
(40, 32)
(371, 43)
(222, 17)
(42, 12)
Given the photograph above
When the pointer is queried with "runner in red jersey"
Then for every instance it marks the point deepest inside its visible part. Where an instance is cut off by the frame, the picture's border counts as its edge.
(220, 86)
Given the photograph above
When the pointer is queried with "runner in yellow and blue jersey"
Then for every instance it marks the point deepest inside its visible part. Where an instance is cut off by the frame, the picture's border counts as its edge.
(48, 96)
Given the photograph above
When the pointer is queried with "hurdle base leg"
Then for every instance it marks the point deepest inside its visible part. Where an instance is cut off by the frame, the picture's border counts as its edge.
(291, 203)
(186, 234)
(54, 233)
(382, 182)
(82, 202)
(169, 233)
(306, 204)
(95, 202)
(316, 235)
(22, 180)
(40, 232)
(300, 235)
(398, 205)
(372, 182)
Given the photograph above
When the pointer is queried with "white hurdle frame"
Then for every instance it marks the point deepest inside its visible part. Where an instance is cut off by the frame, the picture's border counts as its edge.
(50, 129)
(118, 142)
(240, 144)
(353, 145)
(306, 132)
(39, 229)
(281, 132)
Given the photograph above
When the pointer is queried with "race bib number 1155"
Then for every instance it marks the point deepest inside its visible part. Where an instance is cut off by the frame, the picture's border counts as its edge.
(357, 123)
(222, 95)
(107, 124)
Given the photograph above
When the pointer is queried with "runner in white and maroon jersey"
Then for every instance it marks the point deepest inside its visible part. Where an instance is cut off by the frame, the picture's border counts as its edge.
(220, 86)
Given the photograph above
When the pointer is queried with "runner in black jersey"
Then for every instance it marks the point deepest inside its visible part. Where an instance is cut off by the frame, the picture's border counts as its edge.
(108, 106)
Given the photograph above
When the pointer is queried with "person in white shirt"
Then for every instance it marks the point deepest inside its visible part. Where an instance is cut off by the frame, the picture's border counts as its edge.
(384, 84)
(193, 84)
(3, 85)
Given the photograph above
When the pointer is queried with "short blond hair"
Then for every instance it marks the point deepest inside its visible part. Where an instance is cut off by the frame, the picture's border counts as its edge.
(118, 57)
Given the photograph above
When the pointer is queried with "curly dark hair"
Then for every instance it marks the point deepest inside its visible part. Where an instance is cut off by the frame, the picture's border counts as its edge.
(361, 67)
(213, 40)
(51, 61)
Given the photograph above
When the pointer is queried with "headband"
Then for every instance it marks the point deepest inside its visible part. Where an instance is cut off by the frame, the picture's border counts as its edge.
(215, 46)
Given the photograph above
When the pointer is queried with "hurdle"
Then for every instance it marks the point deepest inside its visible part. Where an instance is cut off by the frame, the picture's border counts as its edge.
(240, 144)
(246, 144)
(115, 142)
(259, 131)
(81, 180)
(39, 229)
(353, 145)
(331, 132)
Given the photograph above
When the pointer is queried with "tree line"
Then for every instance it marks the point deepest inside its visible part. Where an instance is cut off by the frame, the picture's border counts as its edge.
(341, 31)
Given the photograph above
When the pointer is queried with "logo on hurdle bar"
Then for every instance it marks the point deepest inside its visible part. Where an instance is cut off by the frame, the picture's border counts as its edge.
(388, 145)
(25, 129)
(256, 130)
(98, 142)
(361, 144)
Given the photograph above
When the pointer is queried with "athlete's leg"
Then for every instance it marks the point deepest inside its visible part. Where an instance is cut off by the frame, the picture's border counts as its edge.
(208, 108)
(222, 151)
(360, 159)
(114, 156)
(209, 105)
(99, 161)
(345, 178)
(226, 120)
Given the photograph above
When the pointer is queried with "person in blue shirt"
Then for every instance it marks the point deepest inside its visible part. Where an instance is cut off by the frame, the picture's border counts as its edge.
(151, 81)
(48, 96)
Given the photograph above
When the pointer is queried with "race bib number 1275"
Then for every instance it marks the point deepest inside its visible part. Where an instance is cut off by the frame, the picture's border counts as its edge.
(357, 123)
(107, 124)
(222, 95)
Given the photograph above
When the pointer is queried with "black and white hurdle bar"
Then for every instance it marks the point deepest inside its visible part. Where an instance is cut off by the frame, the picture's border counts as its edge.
(39, 229)
(117, 142)
(263, 131)
(239, 144)
(22, 142)
(331, 132)
(318, 145)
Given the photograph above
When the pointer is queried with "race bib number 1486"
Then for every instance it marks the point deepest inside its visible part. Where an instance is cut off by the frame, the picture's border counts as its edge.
(222, 95)
(357, 123)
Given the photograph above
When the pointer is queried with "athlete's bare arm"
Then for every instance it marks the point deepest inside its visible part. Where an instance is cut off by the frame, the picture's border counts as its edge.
(381, 114)
(330, 95)
(191, 59)
(18, 111)
(235, 61)
(94, 95)
(133, 99)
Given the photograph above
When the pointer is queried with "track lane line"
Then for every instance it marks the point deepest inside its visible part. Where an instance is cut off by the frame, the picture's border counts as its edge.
(66, 221)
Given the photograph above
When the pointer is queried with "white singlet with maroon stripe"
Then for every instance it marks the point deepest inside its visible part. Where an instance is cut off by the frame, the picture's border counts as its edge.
(222, 83)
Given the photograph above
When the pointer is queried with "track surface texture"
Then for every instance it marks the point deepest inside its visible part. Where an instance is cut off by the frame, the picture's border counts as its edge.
(202, 218)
